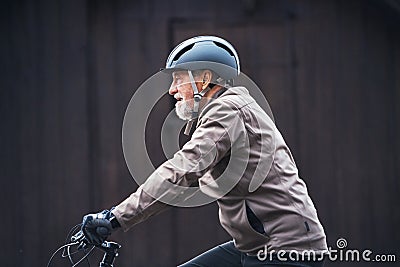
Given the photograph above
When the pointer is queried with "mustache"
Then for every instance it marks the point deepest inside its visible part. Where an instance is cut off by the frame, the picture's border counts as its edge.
(178, 96)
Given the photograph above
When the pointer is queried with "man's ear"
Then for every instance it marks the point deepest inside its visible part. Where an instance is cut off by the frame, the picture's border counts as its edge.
(207, 75)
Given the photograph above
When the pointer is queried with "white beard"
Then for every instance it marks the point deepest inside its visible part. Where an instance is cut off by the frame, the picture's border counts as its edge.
(184, 109)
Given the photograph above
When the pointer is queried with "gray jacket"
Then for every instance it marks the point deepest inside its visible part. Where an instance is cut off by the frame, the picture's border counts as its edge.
(237, 156)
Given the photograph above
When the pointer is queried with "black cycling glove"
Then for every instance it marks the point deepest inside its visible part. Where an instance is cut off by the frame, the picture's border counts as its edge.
(97, 227)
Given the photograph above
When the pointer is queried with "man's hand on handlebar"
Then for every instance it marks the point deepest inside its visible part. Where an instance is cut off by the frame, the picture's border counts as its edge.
(98, 226)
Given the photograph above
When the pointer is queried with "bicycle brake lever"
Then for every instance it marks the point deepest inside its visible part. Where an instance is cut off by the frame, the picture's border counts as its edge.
(78, 237)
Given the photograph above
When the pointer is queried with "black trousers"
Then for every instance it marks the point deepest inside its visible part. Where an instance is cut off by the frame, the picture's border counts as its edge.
(226, 255)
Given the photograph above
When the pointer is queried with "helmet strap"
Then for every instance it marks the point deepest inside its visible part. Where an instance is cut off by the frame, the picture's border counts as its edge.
(196, 94)
(197, 98)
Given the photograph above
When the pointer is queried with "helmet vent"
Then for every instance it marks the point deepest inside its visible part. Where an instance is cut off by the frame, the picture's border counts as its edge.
(184, 50)
(224, 47)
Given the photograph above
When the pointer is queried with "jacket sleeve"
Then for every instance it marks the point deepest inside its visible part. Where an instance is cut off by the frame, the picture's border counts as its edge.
(219, 128)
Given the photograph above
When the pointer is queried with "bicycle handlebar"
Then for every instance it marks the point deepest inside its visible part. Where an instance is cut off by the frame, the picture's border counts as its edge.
(109, 248)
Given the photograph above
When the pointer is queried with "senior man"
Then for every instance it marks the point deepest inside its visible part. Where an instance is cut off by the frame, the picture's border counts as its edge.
(263, 203)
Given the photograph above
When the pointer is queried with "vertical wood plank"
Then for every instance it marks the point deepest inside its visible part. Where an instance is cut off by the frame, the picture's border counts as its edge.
(26, 45)
(10, 171)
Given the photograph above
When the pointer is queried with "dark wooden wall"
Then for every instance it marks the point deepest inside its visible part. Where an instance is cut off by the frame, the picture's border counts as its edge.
(330, 69)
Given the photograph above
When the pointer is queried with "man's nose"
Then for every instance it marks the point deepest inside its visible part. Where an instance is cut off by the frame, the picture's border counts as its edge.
(172, 89)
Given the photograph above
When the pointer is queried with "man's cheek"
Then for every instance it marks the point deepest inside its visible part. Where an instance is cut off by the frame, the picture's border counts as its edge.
(188, 95)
